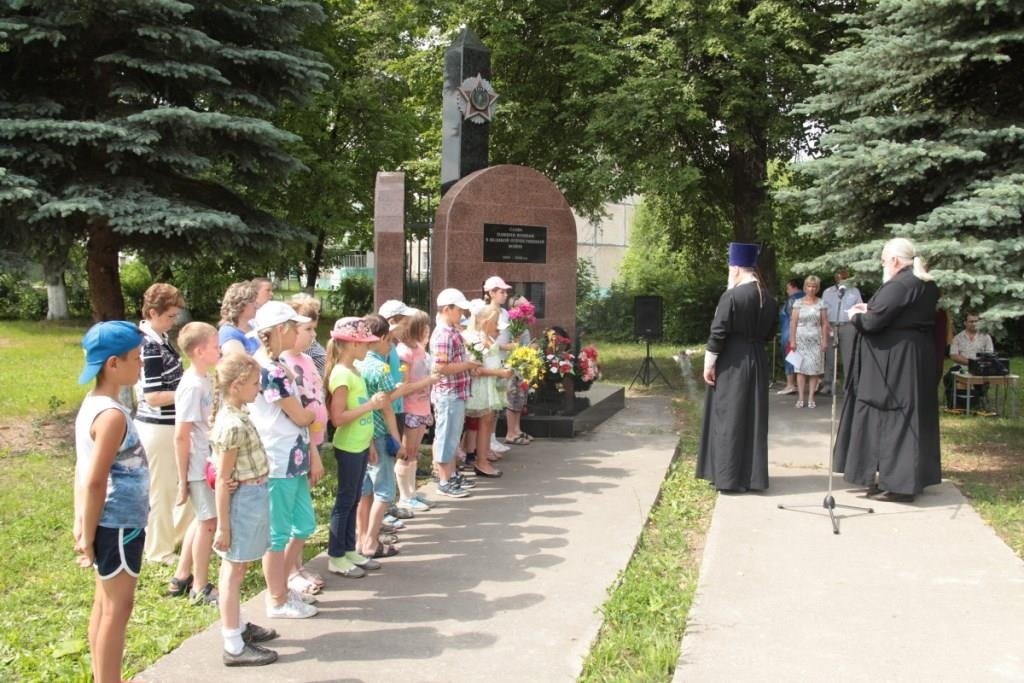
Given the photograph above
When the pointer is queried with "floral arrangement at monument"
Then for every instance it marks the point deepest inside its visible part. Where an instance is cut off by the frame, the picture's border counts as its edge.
(556, 355)
(475, 344)
(527, 363)
(521, 316)
(587, 369)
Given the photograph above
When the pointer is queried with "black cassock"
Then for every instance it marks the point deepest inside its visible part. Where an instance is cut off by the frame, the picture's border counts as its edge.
(734, 442)
(890, 420)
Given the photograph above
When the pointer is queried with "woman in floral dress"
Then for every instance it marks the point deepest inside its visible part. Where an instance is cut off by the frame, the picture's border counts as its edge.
(808, 334)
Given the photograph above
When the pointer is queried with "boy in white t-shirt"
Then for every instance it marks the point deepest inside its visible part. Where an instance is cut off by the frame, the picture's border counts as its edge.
(193, 401)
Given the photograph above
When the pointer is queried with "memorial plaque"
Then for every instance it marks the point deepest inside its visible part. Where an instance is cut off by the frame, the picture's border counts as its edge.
(515, 243)
(535, 292)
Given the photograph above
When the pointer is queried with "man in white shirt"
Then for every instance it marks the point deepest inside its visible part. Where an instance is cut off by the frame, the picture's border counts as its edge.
(837, 299)
(968, 344)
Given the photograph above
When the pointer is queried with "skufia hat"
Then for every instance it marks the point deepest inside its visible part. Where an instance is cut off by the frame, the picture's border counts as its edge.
(743, 255)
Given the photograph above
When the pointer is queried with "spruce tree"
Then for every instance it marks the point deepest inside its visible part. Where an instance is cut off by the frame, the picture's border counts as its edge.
(134, 123)
(924, 114)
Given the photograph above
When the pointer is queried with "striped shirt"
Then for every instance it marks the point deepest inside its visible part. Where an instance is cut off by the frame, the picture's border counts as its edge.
(161, 371)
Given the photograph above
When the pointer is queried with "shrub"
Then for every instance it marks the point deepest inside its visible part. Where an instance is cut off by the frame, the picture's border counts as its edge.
(354, 296)
(19, 300)
(135, 279)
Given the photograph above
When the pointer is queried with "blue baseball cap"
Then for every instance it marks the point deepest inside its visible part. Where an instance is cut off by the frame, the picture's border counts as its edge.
(103, 340)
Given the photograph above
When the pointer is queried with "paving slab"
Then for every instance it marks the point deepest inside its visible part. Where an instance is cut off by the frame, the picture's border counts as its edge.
(505, 585)
(913, 592)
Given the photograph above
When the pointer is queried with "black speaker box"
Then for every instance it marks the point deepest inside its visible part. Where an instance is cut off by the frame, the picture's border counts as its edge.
(647, 323)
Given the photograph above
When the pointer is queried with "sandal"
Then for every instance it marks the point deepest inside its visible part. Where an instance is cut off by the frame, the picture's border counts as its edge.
(303, 586)
(519, 439)
(179, 587)
(799, 404)
(387, 539)
(384, 551)
(812, 404)
(312, 577)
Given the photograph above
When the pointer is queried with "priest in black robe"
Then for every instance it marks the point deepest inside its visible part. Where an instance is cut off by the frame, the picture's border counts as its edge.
(890, 420)
(734, 442)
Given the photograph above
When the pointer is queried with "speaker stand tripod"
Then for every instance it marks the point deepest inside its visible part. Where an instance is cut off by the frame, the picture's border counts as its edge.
(648, 370)
(830, 502)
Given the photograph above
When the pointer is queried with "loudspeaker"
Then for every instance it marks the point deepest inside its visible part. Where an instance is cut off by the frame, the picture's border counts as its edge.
(647, 317)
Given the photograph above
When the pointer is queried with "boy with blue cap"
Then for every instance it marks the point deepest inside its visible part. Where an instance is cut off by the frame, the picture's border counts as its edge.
(734, 441)
(111, 489)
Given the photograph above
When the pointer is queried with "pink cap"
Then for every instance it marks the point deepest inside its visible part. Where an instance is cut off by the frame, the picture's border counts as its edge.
(352, 329)
(495, 282)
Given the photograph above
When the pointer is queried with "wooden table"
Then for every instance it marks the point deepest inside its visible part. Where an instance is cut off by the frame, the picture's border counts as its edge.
(965, 380)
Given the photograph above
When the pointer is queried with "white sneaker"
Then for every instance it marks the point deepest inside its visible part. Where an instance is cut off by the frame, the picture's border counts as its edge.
(291, 609)
(296, 596)
(413, 504)
(497, 446)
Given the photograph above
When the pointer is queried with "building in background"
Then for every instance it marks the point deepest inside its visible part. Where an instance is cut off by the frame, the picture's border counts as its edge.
(604, 242)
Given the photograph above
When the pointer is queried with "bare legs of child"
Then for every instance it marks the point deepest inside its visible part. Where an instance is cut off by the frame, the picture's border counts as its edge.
(483, 445)
(111, 609)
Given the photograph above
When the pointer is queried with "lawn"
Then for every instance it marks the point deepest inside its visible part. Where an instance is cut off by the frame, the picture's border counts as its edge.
(47, 597)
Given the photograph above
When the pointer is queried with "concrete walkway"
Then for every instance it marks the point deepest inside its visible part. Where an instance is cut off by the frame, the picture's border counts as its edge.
(503, 586)
(918, 592)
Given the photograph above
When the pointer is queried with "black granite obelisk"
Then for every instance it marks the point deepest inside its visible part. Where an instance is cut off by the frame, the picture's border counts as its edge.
(463, 142)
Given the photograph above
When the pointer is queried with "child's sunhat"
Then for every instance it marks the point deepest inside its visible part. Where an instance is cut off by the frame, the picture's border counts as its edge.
(392, 307)
(106, 339)
(353, 329)
(272, 314)
(452, 297)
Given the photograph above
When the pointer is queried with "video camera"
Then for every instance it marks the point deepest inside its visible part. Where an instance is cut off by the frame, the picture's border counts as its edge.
(989, 365)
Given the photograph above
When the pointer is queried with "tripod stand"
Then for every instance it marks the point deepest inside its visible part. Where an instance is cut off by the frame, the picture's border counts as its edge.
(829, 503)
(648, 370)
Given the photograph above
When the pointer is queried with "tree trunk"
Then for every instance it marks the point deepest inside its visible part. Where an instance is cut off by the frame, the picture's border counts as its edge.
(55, 262)
(101, 265)
(315, 262)
(748, 166)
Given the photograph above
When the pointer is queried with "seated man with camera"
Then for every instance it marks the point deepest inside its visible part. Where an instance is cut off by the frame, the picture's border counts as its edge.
(968, 344)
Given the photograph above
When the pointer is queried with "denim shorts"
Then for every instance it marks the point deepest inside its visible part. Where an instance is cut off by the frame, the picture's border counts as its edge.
(203, 500)
(118, 549)
(449, 415)
(250, 523)
(382, 475)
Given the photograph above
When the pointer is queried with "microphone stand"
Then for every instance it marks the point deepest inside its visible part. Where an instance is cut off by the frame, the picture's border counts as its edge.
(829, 503)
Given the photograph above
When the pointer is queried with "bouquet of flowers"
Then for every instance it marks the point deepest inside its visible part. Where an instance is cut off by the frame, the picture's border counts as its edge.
(587, 369)
(528, 365)
(558, 359)
(520, 316)
(475, 344)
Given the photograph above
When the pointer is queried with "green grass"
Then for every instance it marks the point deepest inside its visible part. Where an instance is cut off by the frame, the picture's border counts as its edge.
(645, 614)
(620, 361)
(39, 367)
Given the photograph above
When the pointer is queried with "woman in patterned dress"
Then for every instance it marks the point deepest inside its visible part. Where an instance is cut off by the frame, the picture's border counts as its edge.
(808, 335)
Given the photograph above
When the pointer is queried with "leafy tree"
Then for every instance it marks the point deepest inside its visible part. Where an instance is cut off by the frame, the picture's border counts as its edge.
(924, 140)
(142, 124)
(705, 104)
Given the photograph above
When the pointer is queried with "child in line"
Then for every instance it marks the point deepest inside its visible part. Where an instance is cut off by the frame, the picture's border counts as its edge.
(379, 485)
(283, 424)
(349, 405)
(485, 395)
(243, 506)
(451, 361)
(310, 389)
(193, 402)
(111, 490)
(413, 334)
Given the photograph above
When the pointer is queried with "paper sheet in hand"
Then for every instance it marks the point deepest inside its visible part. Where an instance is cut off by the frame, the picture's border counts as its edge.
(794, 358)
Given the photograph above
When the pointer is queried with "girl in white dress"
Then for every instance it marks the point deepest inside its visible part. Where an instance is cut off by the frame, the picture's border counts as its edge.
(485, 396)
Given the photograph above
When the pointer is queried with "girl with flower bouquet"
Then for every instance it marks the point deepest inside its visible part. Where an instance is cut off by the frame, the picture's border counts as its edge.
(484, 398)
(520, 316)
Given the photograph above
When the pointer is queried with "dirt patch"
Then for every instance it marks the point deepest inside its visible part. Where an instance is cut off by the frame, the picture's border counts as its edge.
(54, 434)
